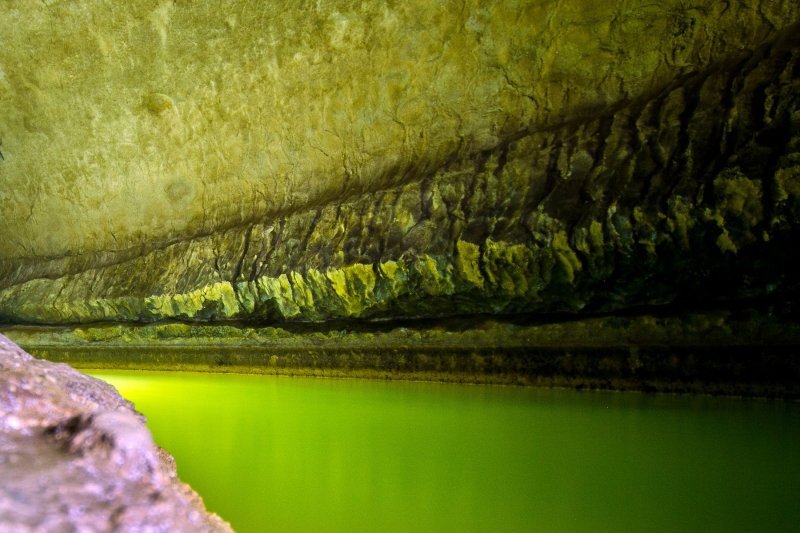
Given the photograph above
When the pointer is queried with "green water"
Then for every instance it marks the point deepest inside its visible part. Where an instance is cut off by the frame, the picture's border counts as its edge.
(304, 454)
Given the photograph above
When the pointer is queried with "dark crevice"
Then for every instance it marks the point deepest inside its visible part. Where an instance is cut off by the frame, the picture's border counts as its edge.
(502, 159)
(245, 248)
(257, 258)
(425, 200)
(276, 236)
(372, 227)
(552, 172)
(685, 151)
(311, 227)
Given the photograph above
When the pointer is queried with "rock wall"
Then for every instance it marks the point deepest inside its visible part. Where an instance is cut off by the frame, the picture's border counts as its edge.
(309, 162)
(742, 353)
(75, 456)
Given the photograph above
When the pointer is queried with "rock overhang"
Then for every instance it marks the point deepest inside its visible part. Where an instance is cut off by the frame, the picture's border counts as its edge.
(291, 162)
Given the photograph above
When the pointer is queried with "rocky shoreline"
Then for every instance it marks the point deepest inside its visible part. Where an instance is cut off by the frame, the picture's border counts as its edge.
(76, 456)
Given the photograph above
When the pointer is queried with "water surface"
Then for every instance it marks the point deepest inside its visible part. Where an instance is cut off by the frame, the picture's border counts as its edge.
(305, 454)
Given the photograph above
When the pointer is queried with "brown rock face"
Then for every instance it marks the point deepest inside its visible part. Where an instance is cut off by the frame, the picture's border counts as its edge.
(75, 456)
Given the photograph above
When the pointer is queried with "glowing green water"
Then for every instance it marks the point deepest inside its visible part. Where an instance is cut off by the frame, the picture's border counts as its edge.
(304, 454)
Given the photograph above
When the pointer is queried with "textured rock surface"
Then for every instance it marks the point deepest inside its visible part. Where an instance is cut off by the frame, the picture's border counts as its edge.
(75, 456)
(307, 163)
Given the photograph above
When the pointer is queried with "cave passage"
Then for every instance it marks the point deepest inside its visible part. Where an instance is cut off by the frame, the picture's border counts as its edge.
(443, 199)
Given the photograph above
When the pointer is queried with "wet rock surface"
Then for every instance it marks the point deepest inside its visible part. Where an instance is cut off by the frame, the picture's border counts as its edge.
(76, 456)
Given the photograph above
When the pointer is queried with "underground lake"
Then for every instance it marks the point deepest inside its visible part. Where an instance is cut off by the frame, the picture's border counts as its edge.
(487, 265)
(309, 454)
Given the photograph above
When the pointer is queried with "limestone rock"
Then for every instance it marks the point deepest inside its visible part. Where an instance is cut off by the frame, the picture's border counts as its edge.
(285, 161)
(75, 456)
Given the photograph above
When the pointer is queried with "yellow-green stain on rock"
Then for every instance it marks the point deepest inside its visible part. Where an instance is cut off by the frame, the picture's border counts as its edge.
(435, 280)
(467, 263)
(567, 257)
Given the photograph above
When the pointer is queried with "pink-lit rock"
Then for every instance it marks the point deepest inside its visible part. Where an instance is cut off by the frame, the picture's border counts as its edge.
(76, 456)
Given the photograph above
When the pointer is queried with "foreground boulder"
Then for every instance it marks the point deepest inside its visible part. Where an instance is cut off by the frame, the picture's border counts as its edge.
(76, 456)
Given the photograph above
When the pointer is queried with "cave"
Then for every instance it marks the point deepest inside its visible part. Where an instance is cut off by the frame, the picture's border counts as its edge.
(344, 211)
